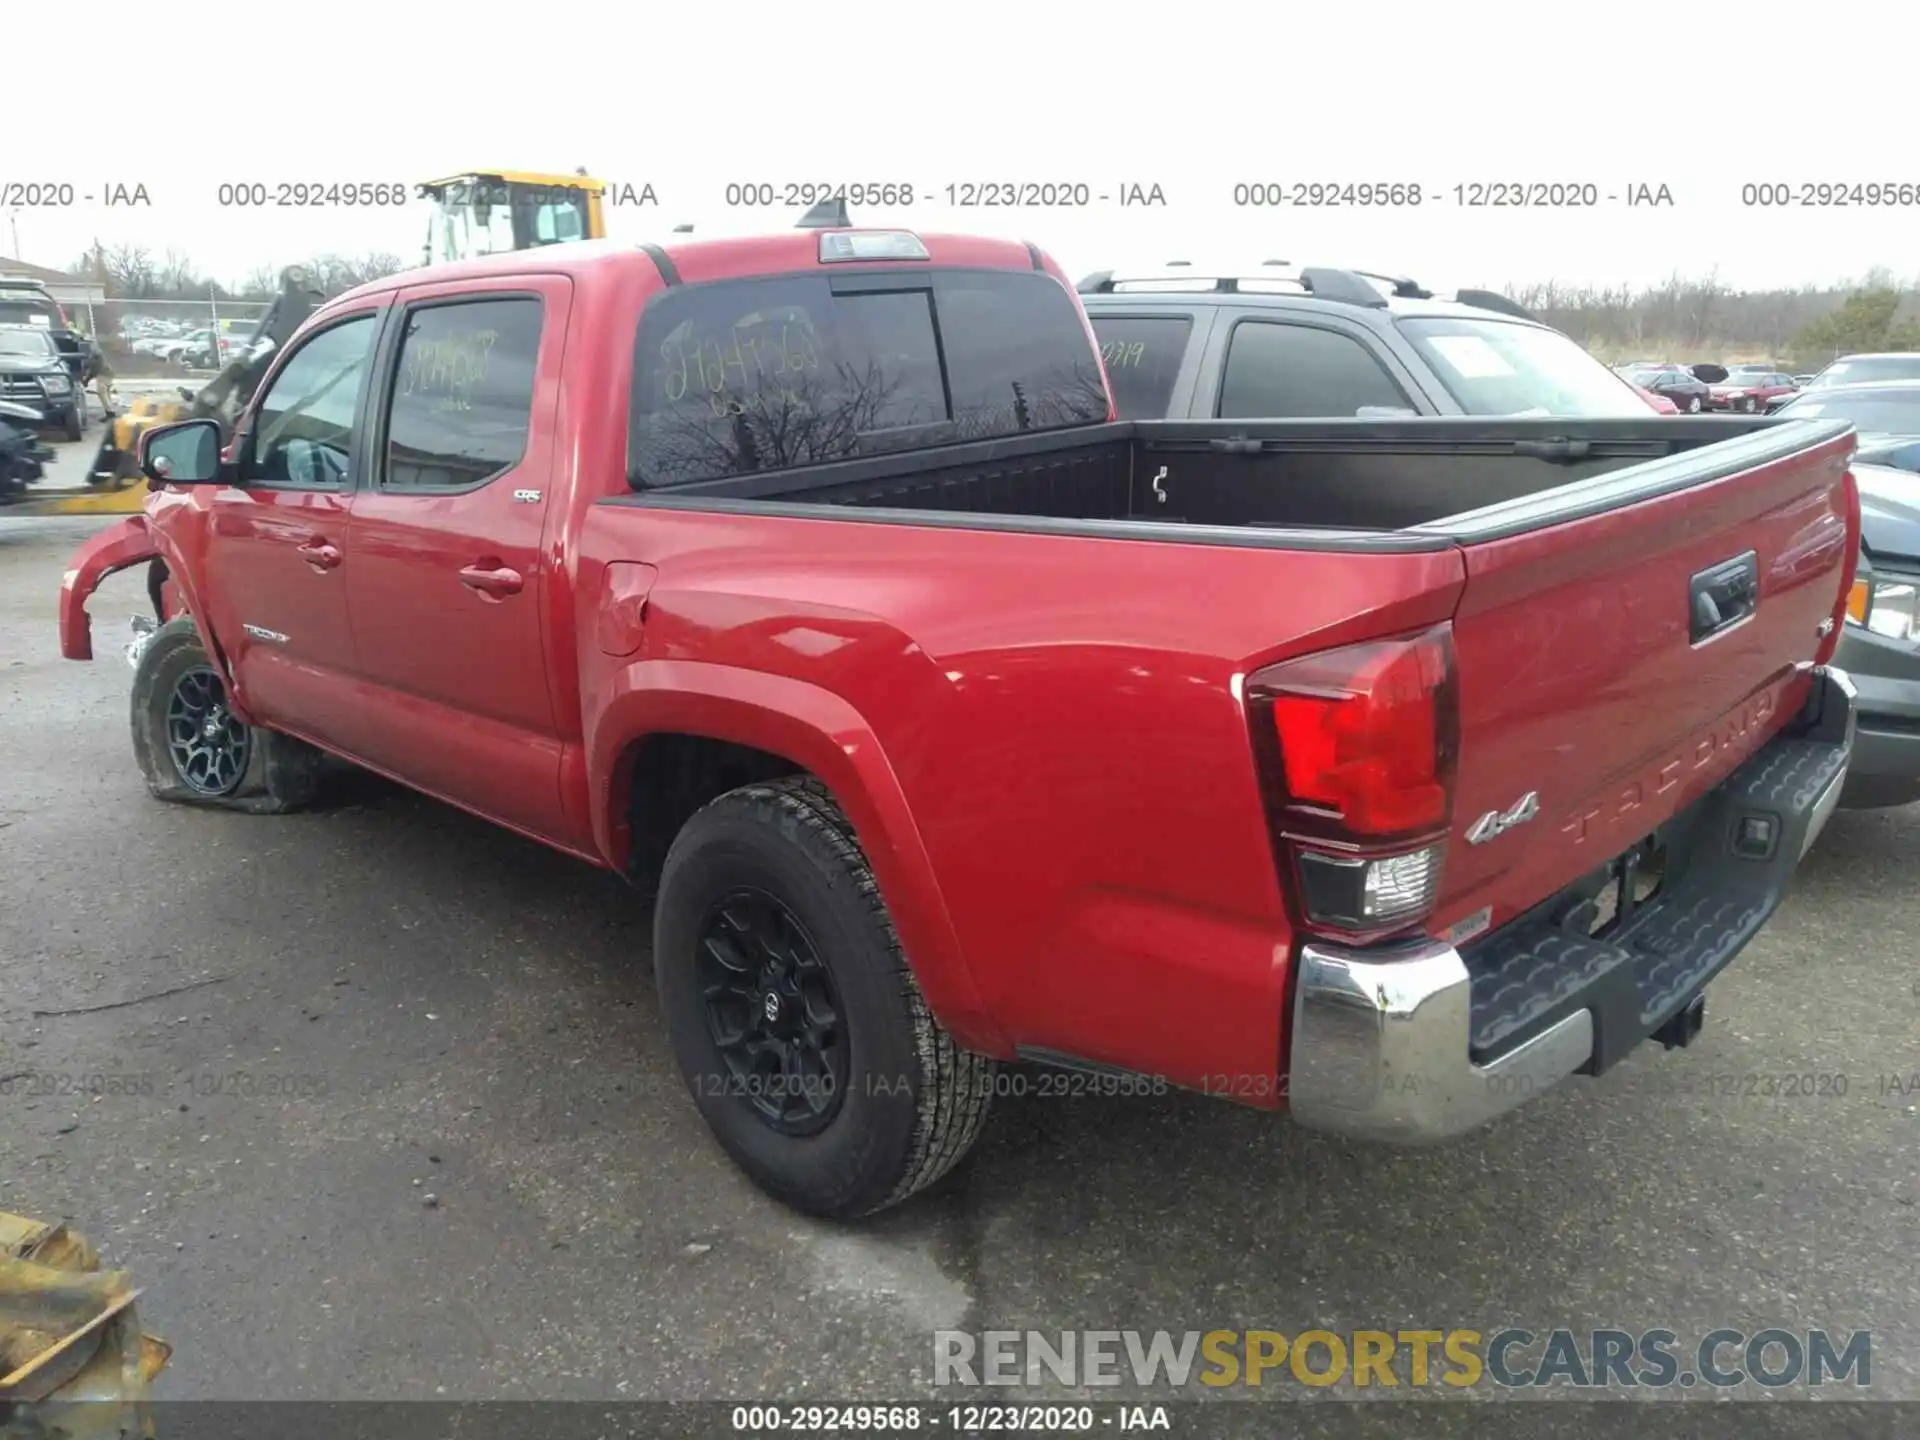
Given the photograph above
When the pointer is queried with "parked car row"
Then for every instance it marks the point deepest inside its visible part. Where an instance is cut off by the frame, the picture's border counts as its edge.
(1752, 388)
(196, 347)
(1742, 389)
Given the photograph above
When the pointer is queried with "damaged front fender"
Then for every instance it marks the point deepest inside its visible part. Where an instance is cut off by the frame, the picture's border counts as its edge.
(113, 549)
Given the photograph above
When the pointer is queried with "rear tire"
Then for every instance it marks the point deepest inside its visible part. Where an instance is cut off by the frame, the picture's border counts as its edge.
(903, 1102)
(190, 749)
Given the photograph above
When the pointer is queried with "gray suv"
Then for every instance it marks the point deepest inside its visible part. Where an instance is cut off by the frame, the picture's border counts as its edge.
(34, 373)
(1321, 343)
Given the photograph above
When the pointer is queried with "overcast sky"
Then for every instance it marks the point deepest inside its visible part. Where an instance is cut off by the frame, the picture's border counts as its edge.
(1192, 97)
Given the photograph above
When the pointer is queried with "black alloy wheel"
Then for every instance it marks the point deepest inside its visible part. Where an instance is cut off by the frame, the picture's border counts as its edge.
(773, 1013)
(210, 748)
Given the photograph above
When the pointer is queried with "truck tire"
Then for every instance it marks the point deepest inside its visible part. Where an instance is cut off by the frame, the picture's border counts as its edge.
(794, 1017)
(73, 424)
(190, 748)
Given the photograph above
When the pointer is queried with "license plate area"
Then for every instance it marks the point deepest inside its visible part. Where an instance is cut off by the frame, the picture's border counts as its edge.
(1609, 898)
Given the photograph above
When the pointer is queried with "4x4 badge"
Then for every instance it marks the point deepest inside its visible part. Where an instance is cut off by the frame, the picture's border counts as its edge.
(1495, 823)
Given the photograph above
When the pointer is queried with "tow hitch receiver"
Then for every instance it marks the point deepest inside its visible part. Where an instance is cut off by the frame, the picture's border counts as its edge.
(1678, 1032)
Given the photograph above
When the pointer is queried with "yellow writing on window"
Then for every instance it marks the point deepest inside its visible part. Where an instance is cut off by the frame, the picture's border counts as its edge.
(447, 369)
(768, 364)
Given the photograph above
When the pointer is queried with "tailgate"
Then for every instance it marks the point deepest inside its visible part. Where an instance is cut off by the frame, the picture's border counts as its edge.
(1595, 679)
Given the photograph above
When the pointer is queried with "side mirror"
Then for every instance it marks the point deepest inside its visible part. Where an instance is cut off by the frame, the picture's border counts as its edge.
(186, 453)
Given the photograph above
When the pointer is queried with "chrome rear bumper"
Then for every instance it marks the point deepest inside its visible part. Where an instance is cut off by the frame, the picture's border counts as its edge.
(1420, 1042)
(1380, 1048)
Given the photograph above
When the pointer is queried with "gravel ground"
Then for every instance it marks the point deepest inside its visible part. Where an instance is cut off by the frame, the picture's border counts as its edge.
(386, 1112)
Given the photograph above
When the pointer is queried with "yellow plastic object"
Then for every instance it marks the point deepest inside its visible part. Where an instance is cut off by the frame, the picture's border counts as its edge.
(1858, 599)
(74, 1361)
(115, 485)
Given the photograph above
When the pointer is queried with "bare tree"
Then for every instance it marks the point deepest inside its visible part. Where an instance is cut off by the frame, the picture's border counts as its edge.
(178, 276)
(261, 283)
(131, 272)
(1701, 319)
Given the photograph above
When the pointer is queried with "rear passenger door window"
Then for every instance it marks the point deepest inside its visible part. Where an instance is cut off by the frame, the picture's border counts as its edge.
(1285, 371)
(1142, 355)
(462, 395)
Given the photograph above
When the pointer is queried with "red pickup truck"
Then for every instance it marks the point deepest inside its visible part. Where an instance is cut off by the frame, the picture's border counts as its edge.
(1387, 771)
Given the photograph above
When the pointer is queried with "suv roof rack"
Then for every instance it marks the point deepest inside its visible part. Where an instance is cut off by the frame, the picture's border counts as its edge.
(1350, 287)
(1347, 286)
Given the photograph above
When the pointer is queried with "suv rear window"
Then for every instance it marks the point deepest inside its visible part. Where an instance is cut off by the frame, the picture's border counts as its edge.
(18, 310)
(1142, 355)
(1875, 367)
(740, 376)
(1494, 367)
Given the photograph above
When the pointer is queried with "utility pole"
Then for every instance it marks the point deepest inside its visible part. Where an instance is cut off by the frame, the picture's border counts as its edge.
(13, 221)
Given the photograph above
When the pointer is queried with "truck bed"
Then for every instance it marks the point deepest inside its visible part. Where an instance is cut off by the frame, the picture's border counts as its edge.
(1355, 482)
(976, 627)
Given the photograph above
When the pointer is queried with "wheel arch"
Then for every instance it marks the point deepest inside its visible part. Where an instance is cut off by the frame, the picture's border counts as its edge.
(102, 554)
(676, 734)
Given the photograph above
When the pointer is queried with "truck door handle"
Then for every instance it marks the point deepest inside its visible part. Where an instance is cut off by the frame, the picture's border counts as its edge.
(1723, 596)
(320, 555)
(496, 580)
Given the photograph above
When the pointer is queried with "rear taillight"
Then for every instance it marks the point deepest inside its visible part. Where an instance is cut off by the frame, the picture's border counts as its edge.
(1357, 750)
(1850, 571)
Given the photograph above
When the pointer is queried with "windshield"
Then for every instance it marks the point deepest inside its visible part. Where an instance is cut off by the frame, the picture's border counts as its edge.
(551, 217)
(27, 312)
(1873, 367)
(1893, 413)
(25, 342)
(1491, 367)
(492, 217)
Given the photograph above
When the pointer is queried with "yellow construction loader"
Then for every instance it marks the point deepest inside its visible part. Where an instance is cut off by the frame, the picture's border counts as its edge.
(487, 212)
(479, 212)
(74, 1361)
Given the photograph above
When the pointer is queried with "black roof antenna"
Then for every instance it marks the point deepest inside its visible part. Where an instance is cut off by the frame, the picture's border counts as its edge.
(829, 214)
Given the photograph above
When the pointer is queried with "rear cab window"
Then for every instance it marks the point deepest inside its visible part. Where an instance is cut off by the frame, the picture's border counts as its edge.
(1142, 354)
(735, 377)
